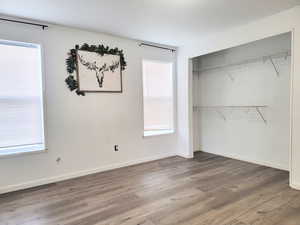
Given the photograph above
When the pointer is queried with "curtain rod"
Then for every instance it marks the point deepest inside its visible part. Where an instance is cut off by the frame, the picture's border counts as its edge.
(23, 22)
(155, 46)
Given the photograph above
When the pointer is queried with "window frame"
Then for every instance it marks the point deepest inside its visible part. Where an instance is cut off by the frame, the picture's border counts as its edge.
(160, 132)
(17, 150)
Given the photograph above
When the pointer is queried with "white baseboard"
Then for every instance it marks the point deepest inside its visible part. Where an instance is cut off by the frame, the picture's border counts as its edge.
(259, 162)
(68, 176)
(295, 185)
(185, 156)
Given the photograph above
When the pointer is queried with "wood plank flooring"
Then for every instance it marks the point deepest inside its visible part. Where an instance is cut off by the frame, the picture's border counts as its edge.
(206, 190)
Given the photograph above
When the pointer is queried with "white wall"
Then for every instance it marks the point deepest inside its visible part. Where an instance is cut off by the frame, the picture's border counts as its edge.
(270, 26)
(242, 133)
(83, 130)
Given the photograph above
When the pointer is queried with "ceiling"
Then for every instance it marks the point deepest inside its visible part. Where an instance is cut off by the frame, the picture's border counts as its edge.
(171, 22)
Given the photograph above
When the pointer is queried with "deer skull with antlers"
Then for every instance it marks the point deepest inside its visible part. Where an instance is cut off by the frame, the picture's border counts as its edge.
(99, 70)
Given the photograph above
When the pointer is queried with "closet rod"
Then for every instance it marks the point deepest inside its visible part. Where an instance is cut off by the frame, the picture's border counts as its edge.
(23, 22)
(263, 58)
(156, 46)
(257, 108)
(233, 106)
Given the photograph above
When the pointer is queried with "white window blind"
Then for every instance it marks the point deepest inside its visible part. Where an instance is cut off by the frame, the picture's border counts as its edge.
(21, 102)
(158, 97)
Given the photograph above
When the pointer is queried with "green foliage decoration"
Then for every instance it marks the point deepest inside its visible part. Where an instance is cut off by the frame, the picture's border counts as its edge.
(71, 63)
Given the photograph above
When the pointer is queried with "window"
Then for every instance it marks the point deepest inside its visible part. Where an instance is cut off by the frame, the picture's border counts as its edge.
(21, 102)
(158, 97)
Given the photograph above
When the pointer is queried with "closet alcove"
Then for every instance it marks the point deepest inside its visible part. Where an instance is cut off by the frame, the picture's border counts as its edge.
(241, 102)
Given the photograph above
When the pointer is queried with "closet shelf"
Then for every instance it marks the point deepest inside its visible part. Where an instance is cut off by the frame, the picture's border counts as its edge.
(284, 54)
(232, 106)
(218, 108)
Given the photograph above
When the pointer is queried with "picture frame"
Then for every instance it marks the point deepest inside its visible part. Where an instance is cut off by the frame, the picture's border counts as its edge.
(98, 73)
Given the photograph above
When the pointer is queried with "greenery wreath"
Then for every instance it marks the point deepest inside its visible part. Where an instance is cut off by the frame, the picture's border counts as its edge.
(71, 82)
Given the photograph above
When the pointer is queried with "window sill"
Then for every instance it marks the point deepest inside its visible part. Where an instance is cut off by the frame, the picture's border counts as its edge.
(22, 150)
(151, 133)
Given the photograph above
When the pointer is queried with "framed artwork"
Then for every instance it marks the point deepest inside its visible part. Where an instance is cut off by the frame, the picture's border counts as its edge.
(95, 68)
(98, 73)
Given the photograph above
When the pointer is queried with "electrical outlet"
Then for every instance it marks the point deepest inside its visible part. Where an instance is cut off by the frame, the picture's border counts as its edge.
(58, 160)
(116, 147)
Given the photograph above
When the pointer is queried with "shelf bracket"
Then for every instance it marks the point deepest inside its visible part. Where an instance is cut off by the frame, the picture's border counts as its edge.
(230, 76)
(286, 56)
(197, 72)
(221, 115)
(261, 115)
(275, 68)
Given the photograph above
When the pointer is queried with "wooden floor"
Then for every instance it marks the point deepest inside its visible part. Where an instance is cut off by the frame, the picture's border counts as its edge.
(208, 190)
